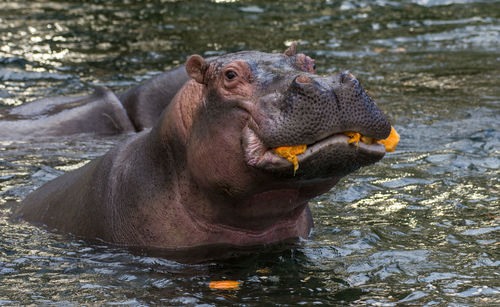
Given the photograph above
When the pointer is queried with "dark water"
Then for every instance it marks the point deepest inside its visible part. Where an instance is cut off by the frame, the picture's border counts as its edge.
(422, 227)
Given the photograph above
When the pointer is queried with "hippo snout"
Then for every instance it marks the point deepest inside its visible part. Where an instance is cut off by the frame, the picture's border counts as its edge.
(314, 107)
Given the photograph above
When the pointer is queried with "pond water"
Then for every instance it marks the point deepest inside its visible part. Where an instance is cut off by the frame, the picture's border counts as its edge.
(421, 227)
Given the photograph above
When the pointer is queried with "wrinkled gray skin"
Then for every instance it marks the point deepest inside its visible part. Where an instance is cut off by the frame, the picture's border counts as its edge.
(102, 112)
(206, 174)
(145, 102)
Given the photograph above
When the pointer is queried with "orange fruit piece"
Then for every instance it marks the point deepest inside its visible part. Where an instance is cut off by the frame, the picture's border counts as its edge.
(391, 141)
(355, 137)
(290, 153)
(225, 285)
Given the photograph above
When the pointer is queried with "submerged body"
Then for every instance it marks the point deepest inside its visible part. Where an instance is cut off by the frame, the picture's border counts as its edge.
(207, 172)
(102, 112)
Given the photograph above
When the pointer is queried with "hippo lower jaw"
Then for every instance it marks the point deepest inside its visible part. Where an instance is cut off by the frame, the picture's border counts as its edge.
(331, 157)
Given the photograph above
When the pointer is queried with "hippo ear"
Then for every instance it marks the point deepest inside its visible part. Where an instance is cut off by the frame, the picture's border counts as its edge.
(196, 68)
(291, 50)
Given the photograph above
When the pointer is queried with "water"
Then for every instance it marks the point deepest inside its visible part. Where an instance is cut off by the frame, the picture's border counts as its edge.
(419, 228)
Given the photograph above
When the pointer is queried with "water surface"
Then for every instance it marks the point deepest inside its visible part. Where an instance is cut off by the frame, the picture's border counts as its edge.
(419, 228)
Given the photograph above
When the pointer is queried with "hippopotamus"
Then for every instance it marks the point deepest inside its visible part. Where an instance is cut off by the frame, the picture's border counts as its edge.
(101, 113)
(206, 173)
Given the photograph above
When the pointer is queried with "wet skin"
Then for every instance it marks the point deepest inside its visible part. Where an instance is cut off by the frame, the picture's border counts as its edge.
(101, 113)
(206, 174)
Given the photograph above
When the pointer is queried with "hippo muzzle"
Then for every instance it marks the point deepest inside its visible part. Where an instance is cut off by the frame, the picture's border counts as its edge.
(315, 111)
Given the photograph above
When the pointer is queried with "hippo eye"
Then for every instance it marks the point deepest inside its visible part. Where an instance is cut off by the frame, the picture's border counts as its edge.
(230, 75)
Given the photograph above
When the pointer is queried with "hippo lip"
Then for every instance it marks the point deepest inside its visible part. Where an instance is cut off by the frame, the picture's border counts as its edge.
(259, 156)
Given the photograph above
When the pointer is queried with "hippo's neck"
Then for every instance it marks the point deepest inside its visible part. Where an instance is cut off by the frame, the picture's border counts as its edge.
(255, 217)
(297, 225)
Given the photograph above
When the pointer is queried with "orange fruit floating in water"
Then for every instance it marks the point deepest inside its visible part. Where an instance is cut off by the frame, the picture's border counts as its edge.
(290, 153)
(225, 285)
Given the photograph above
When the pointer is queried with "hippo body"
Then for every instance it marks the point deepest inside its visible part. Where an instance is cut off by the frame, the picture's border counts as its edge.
(145, 102)
(102, 112)
(206, 173)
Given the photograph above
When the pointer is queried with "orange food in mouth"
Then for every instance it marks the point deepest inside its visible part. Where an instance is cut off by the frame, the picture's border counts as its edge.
(290, 153)
(390, 142)
(356, 137)
(225, 285)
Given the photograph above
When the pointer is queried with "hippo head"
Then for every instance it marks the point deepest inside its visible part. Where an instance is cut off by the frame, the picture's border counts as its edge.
(241, 106)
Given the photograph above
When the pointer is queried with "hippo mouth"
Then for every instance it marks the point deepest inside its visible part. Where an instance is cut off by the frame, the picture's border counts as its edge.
(330, 157)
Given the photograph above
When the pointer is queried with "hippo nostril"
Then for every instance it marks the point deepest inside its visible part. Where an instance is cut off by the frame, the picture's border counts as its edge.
(346, 76)
(303, 79)
(349, 81)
